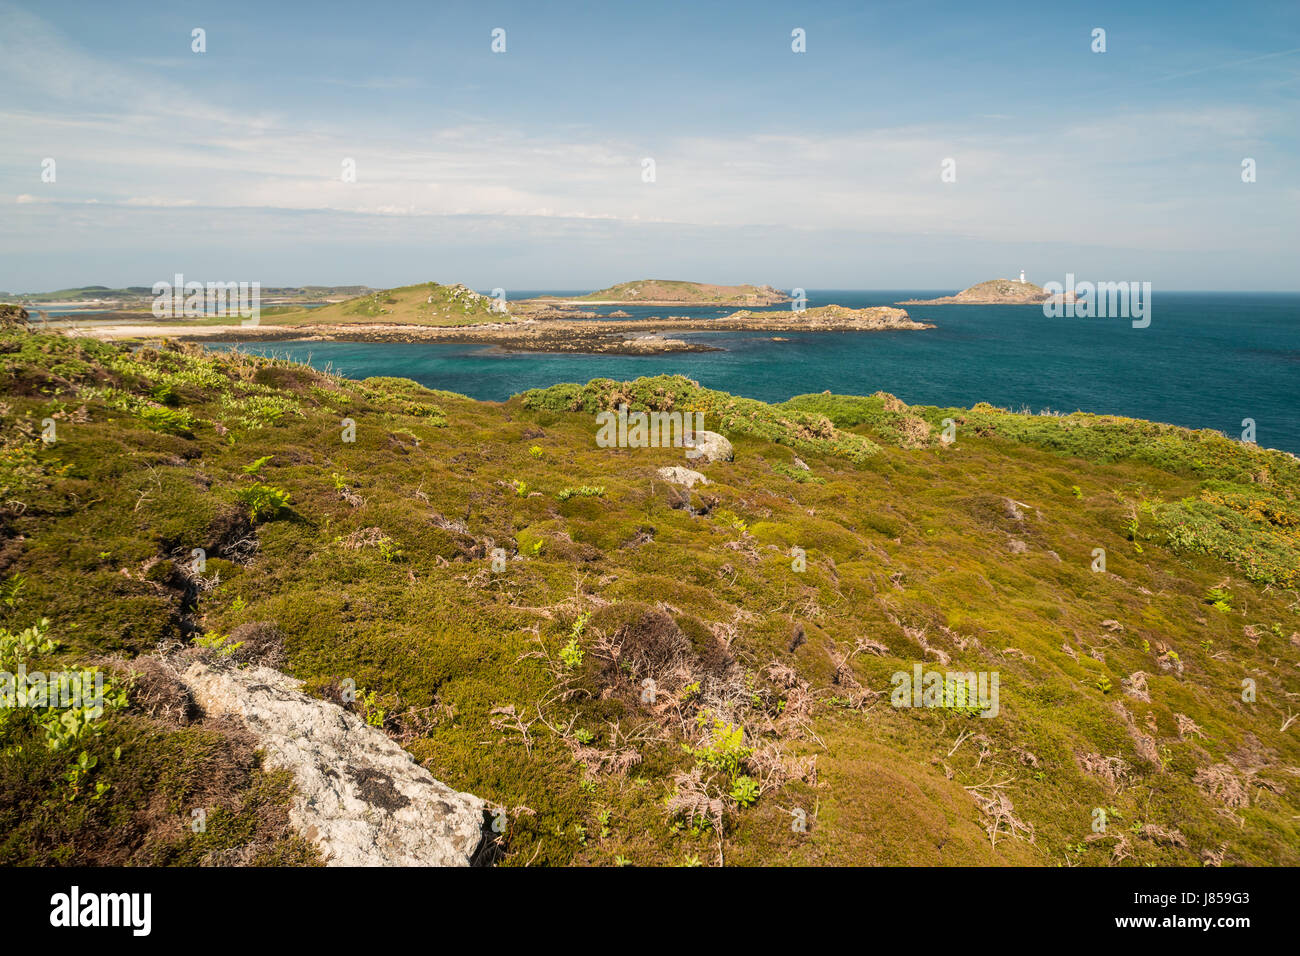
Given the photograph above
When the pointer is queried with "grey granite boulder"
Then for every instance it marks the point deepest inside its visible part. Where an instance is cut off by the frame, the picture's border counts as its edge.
(360, 798)
(709, 447)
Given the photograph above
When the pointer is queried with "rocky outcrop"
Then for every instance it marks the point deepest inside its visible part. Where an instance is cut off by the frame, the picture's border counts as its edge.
(359, 796)
(822, 318)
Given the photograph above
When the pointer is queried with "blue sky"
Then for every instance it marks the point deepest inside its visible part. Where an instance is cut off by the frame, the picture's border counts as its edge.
(523, 169)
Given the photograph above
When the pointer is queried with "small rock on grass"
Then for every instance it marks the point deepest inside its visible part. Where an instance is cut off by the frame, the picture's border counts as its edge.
(710, 447)
(678, 475)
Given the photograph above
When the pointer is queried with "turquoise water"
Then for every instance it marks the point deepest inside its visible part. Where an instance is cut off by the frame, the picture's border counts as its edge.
(1208, 360)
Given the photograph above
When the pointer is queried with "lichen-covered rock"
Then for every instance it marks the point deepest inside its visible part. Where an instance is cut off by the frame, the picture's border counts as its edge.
(709, 447)
(678, 475)
(359, 796)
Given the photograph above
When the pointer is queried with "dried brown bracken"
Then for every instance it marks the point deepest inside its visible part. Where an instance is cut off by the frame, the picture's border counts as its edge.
(1000, 815)
(1115, 772)
(1188, 727)
(1222, 783)
(1135, 685)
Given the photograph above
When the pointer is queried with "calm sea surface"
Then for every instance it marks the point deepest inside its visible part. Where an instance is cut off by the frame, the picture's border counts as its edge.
(1208, 360)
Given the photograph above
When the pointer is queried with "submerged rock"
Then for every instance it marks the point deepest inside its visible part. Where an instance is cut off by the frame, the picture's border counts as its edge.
(359, 796)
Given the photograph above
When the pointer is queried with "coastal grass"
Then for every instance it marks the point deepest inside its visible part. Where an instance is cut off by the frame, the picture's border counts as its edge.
(499, 589)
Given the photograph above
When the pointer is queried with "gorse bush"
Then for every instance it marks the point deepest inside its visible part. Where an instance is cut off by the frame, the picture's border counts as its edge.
(1107, 438)
(1258, 535)
(886, 416)
(796, 474)
(665, 393)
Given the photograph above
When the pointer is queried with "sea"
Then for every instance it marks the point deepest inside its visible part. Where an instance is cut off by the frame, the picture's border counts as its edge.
(1206, 360)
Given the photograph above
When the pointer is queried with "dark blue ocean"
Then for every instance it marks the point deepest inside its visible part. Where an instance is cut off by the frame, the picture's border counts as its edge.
(1207, 360)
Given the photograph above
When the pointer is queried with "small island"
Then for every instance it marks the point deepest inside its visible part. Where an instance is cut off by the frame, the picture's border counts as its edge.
(996, 292)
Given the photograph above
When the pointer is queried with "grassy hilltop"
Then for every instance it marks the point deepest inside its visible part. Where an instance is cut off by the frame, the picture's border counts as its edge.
(426, 303)
(991, 292)
(1120, 690)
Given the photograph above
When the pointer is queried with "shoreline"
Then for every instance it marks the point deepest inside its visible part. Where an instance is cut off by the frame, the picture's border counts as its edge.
(650, 303)
(603, 337)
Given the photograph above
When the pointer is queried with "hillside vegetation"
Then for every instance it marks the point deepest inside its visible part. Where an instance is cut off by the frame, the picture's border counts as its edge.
(645, 673)
(426, 303)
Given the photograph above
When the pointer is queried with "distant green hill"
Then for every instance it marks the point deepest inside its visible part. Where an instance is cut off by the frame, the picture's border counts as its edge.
(84, 292)
(135, 295)
(426, 303)
(991, 292)
(674, 292)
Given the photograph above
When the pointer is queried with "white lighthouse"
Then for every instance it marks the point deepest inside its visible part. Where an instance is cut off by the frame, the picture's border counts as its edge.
(1022, 276)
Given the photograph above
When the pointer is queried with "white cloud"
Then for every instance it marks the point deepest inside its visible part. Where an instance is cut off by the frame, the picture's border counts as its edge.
(123, 137)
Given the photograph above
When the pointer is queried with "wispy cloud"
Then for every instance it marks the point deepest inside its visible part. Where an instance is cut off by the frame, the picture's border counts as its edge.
(373, 82)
